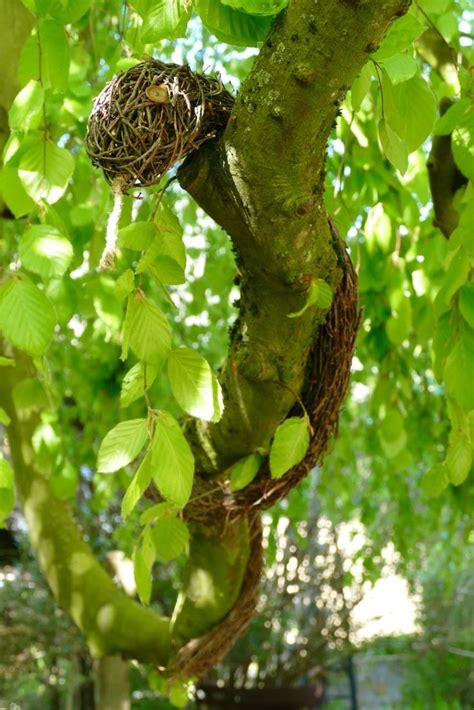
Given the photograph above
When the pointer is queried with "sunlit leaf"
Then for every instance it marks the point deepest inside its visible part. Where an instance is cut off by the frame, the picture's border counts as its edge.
(289, 446)
(45, 251)
(194, 385)
(173, 461)
(26, 316)
(122, 445)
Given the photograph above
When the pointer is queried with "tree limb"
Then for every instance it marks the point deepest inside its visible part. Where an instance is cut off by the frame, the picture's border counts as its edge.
(264, 183)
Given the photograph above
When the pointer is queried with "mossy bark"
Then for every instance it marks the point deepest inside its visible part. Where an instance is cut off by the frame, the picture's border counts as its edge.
(264, 183)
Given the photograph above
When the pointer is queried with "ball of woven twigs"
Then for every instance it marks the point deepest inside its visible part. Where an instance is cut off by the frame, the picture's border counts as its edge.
(149, 117)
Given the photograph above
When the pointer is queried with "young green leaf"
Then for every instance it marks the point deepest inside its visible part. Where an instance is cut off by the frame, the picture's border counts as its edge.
(142, 575)
(393, 146)
(137, 486)
(166, 270)
(173, 461)
(171, 538)
(435, 481)
(45, 56)
(133, 385)
(289, 446)
(232, 26)
(27, 108)
(400, 35)
(7, 494)
(45, 251)
(458, 458)
(146, 330)
(137, 236)
(194, 384)
(466, 303)
(319, 294)
(244, 471)
(360, 87)
(26, 316)
(13, 192)
(122, 445)
(257, 7)
(400, 67)
(409, 109)
(166, 19)
(45, 170)
(125, 284)
(458, 370)
(462, 140)
(156, 512)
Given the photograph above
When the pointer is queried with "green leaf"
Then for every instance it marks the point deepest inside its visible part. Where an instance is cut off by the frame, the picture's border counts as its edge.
(137, 485)
(458, 458)
(122, 445)
(48, 45)
(13, 193)
(458, 370)
(244, 471)
(319, 294)
(45, 170)
(456, 115)
(166, 19)
(435, 481)
(194, 385)
(45, 251)
(54, 55)
(400, 67)
(166, 270)
(173, 461)
(400, 35)
(125, 284)
(156, 512)
(378, 229)
(289, 446)
(466, 302)
(456, 276)
(137, 236)
(232, 26)
(166, 254)
(133, 385)
(142, 576)
(7, 494)
(257, 7)
(171, 538)
(361, 85)
(27, 109)
(409, 109)
(462, 141)
(26, 316)
(393, 146)
(146, 330)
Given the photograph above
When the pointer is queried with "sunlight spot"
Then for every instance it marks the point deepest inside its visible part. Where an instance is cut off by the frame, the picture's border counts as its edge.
(106, 617)
(77, 607)
(80, 563)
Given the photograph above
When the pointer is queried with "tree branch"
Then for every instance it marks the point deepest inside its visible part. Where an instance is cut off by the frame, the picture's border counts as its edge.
(264, 183)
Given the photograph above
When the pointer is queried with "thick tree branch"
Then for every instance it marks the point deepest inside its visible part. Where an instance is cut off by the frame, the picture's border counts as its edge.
(264, 183)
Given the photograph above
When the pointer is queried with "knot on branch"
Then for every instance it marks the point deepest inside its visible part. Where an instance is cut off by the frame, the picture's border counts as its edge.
(150, 116)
